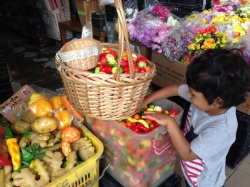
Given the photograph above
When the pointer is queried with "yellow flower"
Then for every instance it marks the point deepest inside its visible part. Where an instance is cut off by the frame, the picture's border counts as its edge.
(198, 47)
(191, 47)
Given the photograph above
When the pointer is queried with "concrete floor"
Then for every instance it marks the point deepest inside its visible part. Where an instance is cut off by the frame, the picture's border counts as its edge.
(46, 75)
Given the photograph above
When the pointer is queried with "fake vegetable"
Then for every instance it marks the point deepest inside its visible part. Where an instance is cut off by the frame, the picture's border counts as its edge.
(27, 116)
(56, 102)
(33, 138)
(5, 160)
(7, 176)
(41, 108)
(14, 151)
(24, 178)
(20, 127)
(69, 135)
(71, 109)
(41, 170)
(44, 125)
(53, 160)
(35, 97)
(54, 163)
(84, 147)
(63, 117)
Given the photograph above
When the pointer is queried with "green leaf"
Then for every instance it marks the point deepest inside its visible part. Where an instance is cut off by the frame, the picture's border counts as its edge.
(32, 152)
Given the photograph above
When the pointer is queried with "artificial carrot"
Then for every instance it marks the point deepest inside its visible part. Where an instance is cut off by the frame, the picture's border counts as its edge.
(71, 109)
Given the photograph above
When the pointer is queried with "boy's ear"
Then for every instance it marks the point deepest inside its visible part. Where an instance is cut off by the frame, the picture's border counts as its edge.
(218, 102)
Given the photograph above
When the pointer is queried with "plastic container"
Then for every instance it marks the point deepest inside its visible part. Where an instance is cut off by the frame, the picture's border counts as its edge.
(137, 159)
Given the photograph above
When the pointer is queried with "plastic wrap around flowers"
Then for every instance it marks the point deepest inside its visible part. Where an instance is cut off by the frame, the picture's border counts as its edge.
(152, 26)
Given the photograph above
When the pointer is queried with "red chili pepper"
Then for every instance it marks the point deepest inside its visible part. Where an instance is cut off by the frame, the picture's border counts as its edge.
(142, 128)
(5, 160)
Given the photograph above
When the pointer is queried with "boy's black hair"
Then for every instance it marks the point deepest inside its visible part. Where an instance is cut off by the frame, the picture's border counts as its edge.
(220, 73)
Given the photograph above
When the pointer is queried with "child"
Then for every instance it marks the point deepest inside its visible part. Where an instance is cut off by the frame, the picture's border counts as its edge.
(217, 81)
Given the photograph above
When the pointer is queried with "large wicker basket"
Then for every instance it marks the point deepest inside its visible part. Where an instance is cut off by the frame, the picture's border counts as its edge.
(108, 96)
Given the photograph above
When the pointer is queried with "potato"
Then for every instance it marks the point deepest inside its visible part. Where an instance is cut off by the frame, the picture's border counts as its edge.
(28, 117)
(20, 127)
(44, 125)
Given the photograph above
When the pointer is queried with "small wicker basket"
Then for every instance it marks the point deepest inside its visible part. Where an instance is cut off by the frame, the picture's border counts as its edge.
(80, 54)
(108, 96)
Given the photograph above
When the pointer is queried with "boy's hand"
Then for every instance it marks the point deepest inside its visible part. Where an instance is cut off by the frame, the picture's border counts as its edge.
(160, 118)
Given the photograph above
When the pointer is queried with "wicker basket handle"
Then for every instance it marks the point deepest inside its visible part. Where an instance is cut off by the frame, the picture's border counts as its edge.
(123, 34)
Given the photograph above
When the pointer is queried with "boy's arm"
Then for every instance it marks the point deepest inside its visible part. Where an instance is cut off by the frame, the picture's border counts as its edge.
(180, 143)
(163, 93)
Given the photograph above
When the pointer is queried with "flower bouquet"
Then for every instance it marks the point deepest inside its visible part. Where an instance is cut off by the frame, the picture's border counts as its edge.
(152, 26)
(208, 38)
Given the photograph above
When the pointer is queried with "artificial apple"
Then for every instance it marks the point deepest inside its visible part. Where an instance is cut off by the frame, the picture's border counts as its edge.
(103, 59)
(173, 113)
(110, 57)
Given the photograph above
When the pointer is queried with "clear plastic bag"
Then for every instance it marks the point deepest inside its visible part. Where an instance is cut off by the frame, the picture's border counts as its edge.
(130, 10)
(106, 2)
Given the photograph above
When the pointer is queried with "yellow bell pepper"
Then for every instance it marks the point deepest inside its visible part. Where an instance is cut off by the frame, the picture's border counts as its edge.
(63, 117)
(35, 97)
(41, 108)
(56, 102)
(14, 151)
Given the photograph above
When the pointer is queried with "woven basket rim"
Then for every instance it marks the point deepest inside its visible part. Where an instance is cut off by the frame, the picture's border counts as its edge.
(80, 40)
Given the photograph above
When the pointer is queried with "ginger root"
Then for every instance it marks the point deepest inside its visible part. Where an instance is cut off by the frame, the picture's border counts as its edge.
(25, 178)
(40, 169)
(84, 147)
(54, 162)
(7, 176)
(34, 137)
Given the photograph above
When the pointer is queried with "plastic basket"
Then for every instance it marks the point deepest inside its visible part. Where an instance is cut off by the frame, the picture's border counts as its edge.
(108, 96)
(86, 173)
(51, 19)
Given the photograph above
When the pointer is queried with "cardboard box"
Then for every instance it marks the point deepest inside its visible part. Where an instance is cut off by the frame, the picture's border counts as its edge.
(140, 49)
(81, 9)
(245, 107)
(168, 72)
(16, 103)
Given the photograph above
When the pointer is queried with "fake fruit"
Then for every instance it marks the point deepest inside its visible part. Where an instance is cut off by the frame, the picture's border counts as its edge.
(142, 126)
(44, 125)
(63, 118)
(173, 113)
(41, 108)
(56, 102)
(109, 58)
(35, 97)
